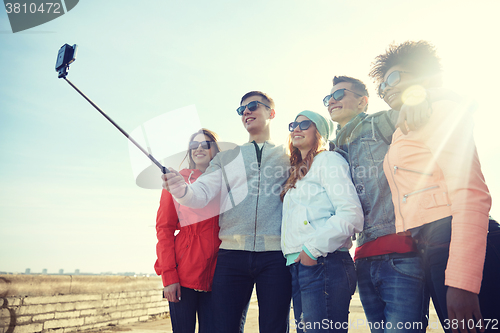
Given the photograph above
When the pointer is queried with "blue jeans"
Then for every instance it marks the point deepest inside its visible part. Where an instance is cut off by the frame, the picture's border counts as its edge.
(183, 313)
(236, 273)
(391, 289)
(433, 243)
(322, 293)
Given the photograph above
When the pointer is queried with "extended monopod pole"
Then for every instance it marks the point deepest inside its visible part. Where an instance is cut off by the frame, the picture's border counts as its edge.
(162, 168)
(66, 56)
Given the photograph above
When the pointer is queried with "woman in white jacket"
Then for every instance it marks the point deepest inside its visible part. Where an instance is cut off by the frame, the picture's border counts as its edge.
(321, 211)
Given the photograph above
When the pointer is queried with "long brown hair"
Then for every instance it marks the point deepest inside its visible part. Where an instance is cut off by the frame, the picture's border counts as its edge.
(299, 166)
(213, 137)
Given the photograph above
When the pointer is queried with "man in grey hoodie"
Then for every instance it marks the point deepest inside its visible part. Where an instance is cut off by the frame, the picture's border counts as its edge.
(249, 180)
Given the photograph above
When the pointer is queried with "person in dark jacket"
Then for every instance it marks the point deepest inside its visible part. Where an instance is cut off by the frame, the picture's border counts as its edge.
(186, 260)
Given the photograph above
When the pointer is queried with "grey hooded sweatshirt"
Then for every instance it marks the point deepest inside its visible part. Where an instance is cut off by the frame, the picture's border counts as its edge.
(249, 181)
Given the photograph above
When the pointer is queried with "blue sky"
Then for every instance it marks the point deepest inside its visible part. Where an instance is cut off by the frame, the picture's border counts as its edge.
(68, 197)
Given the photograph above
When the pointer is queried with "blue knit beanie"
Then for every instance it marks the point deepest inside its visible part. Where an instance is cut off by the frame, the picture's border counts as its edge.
(324, 125)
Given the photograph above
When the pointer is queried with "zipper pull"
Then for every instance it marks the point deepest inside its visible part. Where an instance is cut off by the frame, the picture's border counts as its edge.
(405, 197)
(395, 169)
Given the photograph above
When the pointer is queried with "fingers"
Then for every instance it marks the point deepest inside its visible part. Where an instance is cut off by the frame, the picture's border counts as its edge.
(174, 183)
(413, 117)
(452, 318)
(172, 293)
(479, 319)
(401, 123)
(178, 293)
(464, 313)
(305, 260)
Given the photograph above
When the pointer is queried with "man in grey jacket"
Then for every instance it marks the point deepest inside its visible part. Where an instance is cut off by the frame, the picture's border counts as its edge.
(390, 274)
(248, 179)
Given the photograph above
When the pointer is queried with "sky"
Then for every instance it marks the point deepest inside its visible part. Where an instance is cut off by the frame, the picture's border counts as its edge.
(68, 196)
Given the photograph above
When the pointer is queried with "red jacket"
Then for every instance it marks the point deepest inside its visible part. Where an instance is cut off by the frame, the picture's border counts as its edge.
(188, 257)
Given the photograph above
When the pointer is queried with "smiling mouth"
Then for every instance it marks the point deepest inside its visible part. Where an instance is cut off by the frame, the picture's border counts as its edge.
(335, 108)
(249, 120)
(391, 97)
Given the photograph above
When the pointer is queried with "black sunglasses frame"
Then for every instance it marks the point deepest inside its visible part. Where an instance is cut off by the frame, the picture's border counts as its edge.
(204, 144)
(303, 125)
(338, 98)
(386, 83)
(252, 106)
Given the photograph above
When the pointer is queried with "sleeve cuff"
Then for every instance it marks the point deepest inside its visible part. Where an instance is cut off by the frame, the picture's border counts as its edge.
(187, 196)
(308, 253)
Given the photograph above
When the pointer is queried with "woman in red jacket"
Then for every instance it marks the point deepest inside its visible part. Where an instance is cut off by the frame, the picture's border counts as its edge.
(186, 260)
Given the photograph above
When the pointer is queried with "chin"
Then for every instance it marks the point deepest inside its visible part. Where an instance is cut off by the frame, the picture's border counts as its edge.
(396, 106)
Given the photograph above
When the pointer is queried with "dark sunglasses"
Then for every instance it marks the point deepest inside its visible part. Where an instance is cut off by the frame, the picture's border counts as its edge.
(195, 144)
(337, 95)
(303, 125)
(252, 106)
(392, 80)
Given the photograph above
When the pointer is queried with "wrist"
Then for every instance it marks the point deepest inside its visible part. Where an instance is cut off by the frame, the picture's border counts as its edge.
(309, 254)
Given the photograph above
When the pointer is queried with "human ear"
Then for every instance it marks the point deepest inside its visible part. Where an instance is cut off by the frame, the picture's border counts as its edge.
(363, 101)
(272, 114)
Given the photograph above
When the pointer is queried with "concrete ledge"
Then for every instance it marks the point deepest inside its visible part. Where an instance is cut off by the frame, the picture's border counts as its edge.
(60, 304)
(53, 285)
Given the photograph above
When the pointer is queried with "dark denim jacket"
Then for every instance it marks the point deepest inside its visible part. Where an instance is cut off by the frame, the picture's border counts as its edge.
(364, 147)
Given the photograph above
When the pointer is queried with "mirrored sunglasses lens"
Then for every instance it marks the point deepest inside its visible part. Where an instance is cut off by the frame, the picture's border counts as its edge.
(305, 124)
(381, 89)
(326, 99)
(240, 110)
(195, 144)
(292, 126)
(393, 79)
(252, 106)
(338, 95)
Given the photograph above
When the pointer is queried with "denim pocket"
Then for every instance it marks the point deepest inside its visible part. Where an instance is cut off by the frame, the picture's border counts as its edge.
(309, 266)
(311, 277)
(375, 149)
(409, 266)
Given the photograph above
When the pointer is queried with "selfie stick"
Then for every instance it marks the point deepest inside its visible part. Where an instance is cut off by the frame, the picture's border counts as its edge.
(63, 72)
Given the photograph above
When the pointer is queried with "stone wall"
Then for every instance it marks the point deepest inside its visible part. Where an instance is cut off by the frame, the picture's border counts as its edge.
(69, 303)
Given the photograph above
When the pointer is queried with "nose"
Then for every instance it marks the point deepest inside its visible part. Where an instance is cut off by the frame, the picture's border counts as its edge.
(331, 100)
(297, 128)
(199, 148)
(246, 111)
(384, 91)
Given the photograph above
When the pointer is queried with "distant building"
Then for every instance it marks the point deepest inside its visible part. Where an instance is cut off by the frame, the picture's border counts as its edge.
(61, 271)
(77, 271)
(27, 271)
(44, 271)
